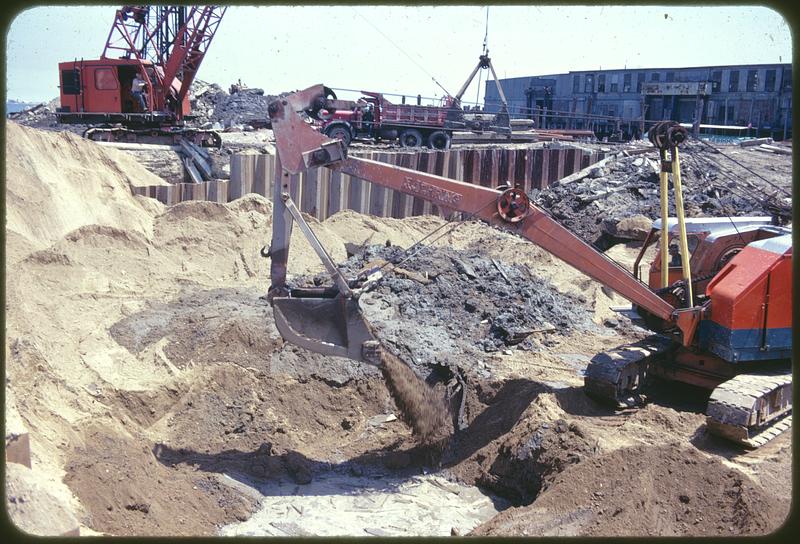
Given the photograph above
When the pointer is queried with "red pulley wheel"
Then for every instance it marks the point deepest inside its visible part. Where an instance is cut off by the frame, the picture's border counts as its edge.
(513, 205)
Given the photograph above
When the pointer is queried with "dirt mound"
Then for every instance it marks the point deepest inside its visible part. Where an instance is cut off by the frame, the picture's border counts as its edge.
(58, 182)
(126, 490)
(658, 491)
(202, 328)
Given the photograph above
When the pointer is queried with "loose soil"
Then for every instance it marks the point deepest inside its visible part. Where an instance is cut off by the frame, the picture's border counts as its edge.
(144, 362)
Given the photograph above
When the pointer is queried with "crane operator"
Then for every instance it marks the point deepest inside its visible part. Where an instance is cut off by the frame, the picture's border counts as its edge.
(137, 91)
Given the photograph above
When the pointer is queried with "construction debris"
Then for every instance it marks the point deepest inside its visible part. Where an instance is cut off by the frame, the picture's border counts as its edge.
(593, 202)
(212, 107)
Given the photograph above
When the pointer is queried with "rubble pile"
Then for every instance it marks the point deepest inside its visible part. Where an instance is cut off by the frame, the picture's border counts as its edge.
(444, 301)
(213, 106)
(628, 187)
(43, 116)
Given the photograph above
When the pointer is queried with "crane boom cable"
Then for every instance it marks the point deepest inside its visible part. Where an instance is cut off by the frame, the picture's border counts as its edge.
(418, 65)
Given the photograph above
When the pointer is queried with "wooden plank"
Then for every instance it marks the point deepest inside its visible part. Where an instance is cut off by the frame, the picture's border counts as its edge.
(194, 155)
(260, 176)
(507, 166)
(335, 193)
(562, 160)
(494, 176)
(520, 166)
(399, 200)
(269, 173)
(308, 196)
(543, 180)
(377, 193)
(323, 188)
(419, 161)
(222, 191)
(537, 171)
(429, 208)
(556, 156)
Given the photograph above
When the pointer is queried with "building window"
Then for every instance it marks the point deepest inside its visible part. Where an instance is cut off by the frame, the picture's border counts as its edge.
(626, 83)
(104, 79)
(752, 80)
(655, 76)
(716, 81)
(786, 79)
(70, 81)
(670, 77)
(588, 85)
(601, 83)
(639, 81)
(733, 81)
(576, 83)
(769, 81)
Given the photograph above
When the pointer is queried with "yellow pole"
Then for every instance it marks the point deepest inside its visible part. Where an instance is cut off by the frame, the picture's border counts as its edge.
(662, 176)
(676, 180)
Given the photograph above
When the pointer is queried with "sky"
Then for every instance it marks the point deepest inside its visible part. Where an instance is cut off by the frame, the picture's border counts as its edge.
(400, 49)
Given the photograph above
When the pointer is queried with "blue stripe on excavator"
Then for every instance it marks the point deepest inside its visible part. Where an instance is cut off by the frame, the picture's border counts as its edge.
(745, 344)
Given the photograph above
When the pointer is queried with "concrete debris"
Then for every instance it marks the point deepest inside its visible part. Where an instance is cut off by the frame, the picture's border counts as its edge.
(592, 206)
(464, 307)
(212, 106)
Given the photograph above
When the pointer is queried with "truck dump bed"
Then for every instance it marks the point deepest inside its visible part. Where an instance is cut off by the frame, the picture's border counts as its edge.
(406, 114)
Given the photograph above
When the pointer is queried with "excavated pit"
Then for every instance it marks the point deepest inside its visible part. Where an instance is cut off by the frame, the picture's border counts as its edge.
(160, 399)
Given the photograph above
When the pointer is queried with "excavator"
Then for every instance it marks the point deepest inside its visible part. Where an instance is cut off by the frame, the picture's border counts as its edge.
(721, 317)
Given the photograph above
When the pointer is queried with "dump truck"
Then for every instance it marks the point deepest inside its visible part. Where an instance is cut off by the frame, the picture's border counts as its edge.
(373, 116)
(721, 318)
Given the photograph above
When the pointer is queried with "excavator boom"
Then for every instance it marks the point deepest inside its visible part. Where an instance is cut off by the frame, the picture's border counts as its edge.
(301, 147)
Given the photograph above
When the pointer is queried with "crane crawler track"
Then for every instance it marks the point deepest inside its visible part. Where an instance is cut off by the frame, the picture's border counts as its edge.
(170, 136)
(751, 409)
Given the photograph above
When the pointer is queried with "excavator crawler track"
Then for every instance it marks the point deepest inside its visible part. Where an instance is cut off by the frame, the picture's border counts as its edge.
(751, 409)
(618, 376)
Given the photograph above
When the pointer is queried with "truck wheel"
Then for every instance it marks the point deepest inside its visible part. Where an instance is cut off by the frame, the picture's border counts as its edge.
(439, 140)
(340, 133)
(411, 138)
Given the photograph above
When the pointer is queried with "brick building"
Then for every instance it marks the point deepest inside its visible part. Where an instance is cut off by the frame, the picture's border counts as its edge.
(759, 95)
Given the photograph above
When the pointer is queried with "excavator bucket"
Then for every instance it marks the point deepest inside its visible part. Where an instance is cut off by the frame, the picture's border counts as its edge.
(328, 326)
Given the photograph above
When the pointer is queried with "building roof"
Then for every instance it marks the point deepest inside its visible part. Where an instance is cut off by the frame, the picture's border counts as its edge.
(712, 67)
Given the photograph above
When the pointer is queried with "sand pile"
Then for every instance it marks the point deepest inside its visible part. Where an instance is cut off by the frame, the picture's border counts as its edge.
(58, 182)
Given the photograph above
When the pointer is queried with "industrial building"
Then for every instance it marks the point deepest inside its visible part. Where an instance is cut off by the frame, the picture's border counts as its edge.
(753, 99)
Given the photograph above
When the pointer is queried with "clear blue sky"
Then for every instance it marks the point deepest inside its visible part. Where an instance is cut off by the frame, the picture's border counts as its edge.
(284, 48)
